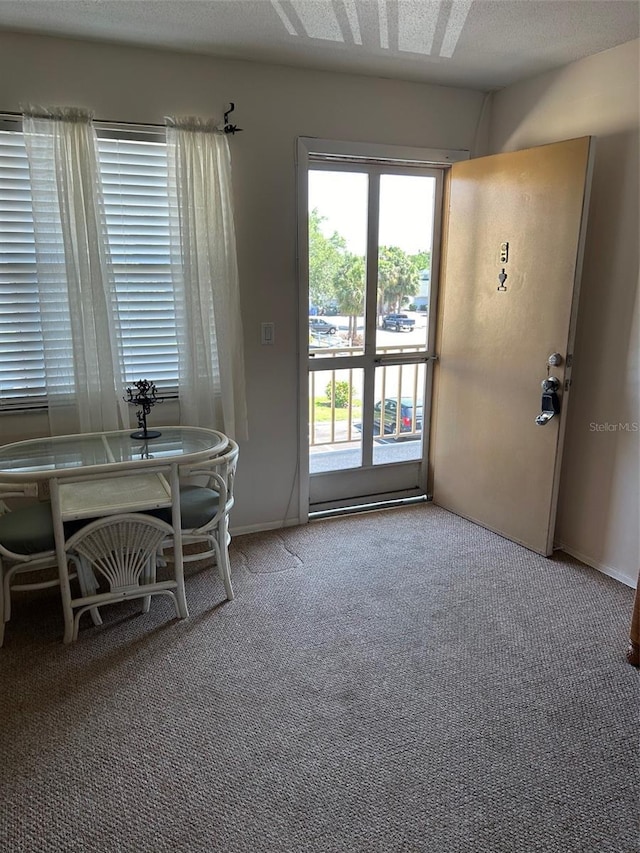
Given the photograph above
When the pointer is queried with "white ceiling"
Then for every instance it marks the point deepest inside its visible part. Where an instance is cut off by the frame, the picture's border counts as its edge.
(483, 44)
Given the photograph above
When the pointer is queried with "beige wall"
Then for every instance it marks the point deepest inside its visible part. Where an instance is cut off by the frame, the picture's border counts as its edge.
(599, 492)
(599, 513)
(274, 105)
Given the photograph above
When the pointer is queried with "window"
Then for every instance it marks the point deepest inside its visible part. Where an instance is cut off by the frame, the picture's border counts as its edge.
(134, 179)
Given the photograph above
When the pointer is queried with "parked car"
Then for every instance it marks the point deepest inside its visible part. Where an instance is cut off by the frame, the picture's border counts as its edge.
(398, 322)
(321, 327)
(393, 423)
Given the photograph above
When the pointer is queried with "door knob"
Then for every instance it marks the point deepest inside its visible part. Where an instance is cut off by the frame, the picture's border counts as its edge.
(550, 401)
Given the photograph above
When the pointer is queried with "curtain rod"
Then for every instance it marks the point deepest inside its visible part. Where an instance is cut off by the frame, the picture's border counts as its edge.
(227, 127)
(11, 116)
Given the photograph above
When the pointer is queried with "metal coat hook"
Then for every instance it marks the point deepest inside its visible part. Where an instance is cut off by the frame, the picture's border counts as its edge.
(230, 128)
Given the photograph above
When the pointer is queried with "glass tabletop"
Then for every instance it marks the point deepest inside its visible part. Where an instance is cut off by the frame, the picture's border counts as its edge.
(42, 457)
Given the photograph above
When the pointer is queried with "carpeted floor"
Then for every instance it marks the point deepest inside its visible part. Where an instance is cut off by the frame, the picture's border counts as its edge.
(397, 681)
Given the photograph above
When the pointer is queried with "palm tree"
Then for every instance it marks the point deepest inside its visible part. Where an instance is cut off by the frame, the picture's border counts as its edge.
(398, 276)
(349, 289)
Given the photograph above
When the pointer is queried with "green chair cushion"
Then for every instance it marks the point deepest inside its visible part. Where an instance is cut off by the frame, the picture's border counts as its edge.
(28, 530)
(198, 505)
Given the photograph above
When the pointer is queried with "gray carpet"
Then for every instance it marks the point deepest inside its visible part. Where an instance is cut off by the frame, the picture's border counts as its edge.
(397, 681)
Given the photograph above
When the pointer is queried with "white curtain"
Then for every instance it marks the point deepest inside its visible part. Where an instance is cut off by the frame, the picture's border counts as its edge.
(83, 373)
(205, 276)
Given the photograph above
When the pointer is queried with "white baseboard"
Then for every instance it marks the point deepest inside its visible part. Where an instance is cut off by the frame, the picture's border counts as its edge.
(260, 528)
(601, 567)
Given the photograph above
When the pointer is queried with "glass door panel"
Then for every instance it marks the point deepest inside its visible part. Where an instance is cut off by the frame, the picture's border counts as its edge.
(405, 248)
(337, 261)
(335, 420)
(398, 413)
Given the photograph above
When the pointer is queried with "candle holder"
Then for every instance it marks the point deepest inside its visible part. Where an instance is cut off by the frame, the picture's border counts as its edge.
(145, 453)
(144, 395)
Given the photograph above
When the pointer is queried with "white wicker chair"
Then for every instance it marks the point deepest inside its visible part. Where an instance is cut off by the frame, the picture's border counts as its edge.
(122, 549)
(27, 548)
(205, 509)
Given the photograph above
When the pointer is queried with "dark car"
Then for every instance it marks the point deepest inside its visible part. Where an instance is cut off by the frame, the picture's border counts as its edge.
(398, 422)
(398, 322)
(321, 327)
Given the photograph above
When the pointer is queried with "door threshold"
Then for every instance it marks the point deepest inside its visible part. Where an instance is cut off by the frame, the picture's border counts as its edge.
(373, 506)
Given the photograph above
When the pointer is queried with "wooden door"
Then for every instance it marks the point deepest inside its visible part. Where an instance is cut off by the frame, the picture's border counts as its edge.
(491, 461)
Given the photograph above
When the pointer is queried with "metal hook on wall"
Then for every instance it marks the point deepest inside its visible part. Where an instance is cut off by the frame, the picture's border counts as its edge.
(230, 128)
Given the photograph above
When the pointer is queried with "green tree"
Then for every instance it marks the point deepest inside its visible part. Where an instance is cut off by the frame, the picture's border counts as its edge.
(325, 257)
(397, 278)
(349, 290)
(338, 393)
(422, 260)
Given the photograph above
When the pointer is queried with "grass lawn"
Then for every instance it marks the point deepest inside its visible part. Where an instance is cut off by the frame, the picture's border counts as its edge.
(322, 410)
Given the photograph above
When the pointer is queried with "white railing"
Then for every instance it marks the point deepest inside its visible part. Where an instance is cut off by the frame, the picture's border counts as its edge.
(331, 424)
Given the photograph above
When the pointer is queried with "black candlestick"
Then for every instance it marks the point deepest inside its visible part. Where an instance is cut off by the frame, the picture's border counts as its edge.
(145, 395)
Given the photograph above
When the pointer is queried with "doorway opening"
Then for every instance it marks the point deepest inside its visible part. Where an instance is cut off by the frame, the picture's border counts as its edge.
(369, 247)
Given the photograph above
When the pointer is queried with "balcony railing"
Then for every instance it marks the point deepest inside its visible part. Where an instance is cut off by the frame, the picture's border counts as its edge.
(335, 399)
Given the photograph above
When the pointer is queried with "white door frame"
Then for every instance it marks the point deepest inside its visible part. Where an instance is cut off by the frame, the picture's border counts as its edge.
(342, 152)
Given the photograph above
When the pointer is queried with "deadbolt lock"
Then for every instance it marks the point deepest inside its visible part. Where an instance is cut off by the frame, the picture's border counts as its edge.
(550, 405)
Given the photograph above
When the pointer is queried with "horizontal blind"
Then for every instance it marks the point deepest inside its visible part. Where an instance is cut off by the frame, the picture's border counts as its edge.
(134, 183)
(21, 358)
(134, 178)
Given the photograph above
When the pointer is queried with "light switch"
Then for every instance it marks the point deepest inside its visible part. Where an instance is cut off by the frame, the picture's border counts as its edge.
(267, 333)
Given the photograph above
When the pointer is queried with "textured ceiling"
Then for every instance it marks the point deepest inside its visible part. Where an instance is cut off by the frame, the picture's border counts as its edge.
(483, 44)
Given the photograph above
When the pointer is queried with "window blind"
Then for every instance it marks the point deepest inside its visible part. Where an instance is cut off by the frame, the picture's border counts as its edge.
(134, 183)
(134, 179)
(21, 358)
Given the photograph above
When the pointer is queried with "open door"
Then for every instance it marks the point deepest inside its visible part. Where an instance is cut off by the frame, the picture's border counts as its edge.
(509, 295)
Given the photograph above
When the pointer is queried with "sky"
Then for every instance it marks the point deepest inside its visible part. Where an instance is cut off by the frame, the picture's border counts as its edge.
(406, 208)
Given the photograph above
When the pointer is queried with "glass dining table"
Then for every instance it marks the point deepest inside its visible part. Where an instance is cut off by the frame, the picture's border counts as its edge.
(90, 475)
(105, 452)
